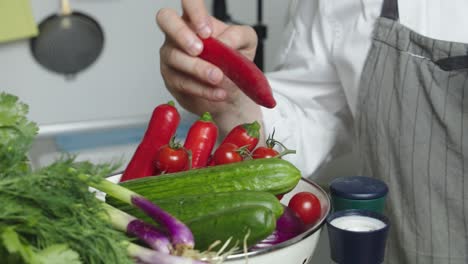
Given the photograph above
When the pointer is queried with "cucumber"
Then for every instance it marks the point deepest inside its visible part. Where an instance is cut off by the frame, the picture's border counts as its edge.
(235, 223)
(187, 207)
(273, 175)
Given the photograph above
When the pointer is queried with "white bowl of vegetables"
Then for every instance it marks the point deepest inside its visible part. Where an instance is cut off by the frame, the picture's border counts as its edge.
(291, 241)
(49, 215)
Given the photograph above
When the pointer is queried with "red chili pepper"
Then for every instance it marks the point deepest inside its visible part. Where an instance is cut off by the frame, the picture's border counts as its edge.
(243, 72)
(201, 139)
(161, 128)
(244, 135)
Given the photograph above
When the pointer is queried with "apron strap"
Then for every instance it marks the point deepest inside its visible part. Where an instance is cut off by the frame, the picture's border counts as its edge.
(453, 63)
(390, 10)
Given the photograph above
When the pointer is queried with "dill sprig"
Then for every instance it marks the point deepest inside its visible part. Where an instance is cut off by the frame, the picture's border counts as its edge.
(53, 206)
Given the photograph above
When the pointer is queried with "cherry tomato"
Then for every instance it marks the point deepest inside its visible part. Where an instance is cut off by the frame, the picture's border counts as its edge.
(227, 153)
(172, 158)
(264, 152)
(267, 151)
(307, 206)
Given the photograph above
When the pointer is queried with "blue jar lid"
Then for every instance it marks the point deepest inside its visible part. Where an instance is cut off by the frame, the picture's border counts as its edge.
(358, 188)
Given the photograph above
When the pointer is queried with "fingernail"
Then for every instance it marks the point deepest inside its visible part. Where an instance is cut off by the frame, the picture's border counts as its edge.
(219, 94)
(195, 46)
(204, 31)
(214, 75)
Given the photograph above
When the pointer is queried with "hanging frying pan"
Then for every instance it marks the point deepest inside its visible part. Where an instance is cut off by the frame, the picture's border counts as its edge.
(68, 42)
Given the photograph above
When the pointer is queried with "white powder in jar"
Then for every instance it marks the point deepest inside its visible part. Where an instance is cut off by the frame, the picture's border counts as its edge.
(357, 223)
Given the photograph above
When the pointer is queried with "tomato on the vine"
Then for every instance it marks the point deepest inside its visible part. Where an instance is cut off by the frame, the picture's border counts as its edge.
(264, 152)
(227, 153)
(172, 157)
(267, 151)
(307, 206)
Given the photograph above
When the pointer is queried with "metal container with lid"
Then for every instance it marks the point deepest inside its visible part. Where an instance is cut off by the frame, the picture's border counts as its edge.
(358, 192)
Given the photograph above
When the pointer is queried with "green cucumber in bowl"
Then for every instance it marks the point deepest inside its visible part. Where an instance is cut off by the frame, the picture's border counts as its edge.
(253, 222)
(187, 207)
(273, 175)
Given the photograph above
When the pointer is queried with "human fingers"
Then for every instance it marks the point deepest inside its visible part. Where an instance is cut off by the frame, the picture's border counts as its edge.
(242, 38)
(177, 30)
(194, 66)
(196, 13)
(181, 84)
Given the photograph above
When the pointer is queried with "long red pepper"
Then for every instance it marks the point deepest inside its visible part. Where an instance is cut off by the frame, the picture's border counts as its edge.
(243, 72)
(244, 135)
(201, 139)
(161, 127)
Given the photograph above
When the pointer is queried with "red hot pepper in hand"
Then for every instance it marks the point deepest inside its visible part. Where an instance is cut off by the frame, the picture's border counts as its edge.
(244, 135)
(161, 128)
(201, 139)
(240, 70)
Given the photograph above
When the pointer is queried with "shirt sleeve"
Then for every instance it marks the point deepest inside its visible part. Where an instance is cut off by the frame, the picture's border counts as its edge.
(312, 115)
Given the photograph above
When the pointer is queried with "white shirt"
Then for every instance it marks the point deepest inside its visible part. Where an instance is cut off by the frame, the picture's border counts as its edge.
(320, 64)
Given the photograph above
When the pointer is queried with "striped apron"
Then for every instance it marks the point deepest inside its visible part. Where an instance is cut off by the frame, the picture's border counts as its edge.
(412, 128)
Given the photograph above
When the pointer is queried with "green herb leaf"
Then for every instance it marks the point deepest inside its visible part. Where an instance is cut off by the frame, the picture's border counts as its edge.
(59, 254)
(49, 215)
(16, 135)
(55, 254)
(13, 245)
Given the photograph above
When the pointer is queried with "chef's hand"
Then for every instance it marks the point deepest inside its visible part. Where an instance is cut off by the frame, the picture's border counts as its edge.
(198, 85)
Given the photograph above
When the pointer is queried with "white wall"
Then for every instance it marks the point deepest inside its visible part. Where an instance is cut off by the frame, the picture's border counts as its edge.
(125, 80)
